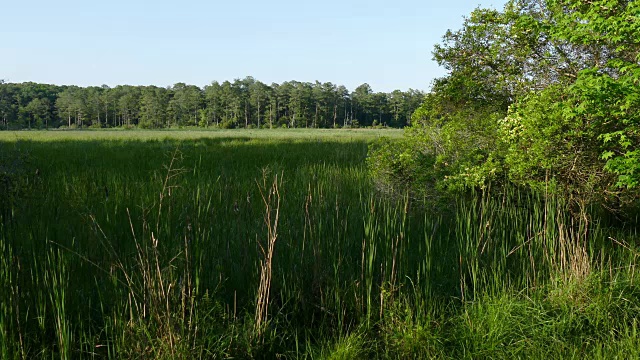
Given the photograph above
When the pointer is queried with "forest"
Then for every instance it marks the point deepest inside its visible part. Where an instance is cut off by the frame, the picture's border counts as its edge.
(242, 103)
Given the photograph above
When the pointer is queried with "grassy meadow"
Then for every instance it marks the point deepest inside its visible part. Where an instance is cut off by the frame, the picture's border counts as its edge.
(276, 244)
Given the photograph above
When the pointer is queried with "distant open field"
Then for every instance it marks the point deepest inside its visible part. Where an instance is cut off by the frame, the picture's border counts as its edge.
(119, 134)
(277, 244)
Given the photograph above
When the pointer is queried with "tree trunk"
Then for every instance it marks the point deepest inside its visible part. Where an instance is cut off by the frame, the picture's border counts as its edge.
(315, 119)
(246, 116)
(258, 113)
(345, 114)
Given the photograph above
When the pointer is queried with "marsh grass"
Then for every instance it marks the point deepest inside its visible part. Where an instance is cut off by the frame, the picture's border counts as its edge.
(164, 246)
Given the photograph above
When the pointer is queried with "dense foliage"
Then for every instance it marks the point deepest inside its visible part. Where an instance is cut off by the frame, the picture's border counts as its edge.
(543, 94)
(241, 103)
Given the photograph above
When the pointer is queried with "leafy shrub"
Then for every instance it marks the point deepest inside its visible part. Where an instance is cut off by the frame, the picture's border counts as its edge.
(227, 124)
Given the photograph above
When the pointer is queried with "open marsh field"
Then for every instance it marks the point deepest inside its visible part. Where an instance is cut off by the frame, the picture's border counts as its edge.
(121, 134)
(276, 244)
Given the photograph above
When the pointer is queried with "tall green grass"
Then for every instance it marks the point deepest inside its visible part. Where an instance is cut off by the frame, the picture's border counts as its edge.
(156, 248)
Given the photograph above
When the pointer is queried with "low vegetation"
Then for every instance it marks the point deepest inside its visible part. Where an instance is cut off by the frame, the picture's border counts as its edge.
(222, 246)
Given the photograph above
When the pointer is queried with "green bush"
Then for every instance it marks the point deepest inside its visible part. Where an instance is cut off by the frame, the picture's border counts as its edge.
(227, 124)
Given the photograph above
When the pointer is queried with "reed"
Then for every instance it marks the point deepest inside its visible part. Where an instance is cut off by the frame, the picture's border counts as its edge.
(185, 247)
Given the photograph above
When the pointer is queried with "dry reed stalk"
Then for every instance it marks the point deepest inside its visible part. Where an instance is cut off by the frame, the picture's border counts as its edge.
(271, 202)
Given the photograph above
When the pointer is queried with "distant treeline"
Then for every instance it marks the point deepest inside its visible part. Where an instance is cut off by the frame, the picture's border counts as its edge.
(241, 103)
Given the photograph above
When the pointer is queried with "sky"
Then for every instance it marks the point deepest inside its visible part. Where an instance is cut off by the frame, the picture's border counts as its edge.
(386, 44)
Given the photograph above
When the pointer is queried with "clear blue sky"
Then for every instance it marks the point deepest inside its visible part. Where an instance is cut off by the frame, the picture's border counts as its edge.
(384, 43)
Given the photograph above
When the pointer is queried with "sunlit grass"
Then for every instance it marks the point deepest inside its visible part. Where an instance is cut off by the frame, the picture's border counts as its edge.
(191, 134)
